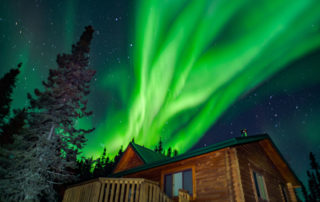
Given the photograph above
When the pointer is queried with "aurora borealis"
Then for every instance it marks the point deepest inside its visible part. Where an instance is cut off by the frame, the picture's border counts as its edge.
(227, 69)
(190, 72)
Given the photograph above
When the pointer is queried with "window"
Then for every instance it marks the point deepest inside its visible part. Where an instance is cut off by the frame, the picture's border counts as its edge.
(284, 192)
(179, 180)
(260, 186)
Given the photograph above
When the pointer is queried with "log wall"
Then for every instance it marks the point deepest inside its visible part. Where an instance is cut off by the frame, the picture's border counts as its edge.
(253, 158)
(214, 175)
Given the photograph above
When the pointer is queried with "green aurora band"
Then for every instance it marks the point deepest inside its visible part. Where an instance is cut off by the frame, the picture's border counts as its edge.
(194, 58)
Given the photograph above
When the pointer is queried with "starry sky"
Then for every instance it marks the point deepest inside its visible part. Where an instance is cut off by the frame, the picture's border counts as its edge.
(190, 72)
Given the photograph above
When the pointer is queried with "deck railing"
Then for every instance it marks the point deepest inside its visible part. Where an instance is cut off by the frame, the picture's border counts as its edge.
(183, 196)
(116, 190)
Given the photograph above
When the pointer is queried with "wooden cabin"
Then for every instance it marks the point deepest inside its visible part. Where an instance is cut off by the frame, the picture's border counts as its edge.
(239, 169)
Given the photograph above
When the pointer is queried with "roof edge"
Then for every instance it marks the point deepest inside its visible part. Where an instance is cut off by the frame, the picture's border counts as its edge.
(220, 145)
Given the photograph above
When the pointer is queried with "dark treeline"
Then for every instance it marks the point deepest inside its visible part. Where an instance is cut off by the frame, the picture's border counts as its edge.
(169, 153)
(88, 168)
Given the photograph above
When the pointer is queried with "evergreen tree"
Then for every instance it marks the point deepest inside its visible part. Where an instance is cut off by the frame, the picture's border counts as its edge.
(14, 126)
(84, 169)
(117, 157)
(315, 167)
(313, 175)
(46, 151)
(305, 193)
(175, 152)
(8, 126)
(313, 181)
(169, 153)
(108, 168)
(100, 164)
(7, 83)
(159, 147)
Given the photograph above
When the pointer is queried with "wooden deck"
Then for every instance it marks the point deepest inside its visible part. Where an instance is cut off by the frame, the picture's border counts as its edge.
(119, 190)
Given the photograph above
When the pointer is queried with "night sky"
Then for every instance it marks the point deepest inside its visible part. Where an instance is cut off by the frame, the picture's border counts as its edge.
(192, 73)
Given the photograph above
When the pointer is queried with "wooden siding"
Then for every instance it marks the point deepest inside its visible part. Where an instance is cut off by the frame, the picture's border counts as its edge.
(214, 174)
(235, 175)
(128, 160)
(251, 158)
(277, 160)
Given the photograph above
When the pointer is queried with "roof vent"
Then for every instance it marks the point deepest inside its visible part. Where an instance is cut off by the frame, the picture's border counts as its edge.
(244, 133)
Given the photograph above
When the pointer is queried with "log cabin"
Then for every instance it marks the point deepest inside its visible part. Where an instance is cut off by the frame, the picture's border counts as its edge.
(239, 169)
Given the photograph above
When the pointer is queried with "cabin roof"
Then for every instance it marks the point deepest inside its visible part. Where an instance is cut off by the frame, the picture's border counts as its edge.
(156, 159)
(147, 155)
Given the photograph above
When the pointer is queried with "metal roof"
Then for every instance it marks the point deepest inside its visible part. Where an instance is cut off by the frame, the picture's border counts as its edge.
(147, 155)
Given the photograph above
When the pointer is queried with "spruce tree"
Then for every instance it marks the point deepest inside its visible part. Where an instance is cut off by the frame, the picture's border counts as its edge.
(118, 156)
(8, 126)
(100, 164)
(13, 127)
(7, 83)
(315, 167)
(314, 176)
(175, 152)
(313, 181)
(108, 167)
(47, 149)
(84, 169)
(159, 148)
(169, 153)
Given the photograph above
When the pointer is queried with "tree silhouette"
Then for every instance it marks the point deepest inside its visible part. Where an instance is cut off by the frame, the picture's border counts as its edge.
(45, 152)
(7, 83)
(313, 181)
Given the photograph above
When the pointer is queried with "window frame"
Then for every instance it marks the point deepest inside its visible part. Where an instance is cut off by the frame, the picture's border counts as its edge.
(253, 172)
(177, 170)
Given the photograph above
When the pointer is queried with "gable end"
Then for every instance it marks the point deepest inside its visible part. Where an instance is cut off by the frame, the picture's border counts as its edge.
(130, 159)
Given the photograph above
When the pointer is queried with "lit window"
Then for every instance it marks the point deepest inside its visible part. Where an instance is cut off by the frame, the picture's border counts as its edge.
(179, 180)
(260, 186)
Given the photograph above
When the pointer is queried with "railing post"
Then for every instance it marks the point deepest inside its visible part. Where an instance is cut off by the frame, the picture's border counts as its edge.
(116, 189)
(143, 192)
(138, 187)
(101, 191)
(132, 191)
(123, 187)
(149, 192)
(117, 183)
(127, 191)
(183, 196)
(112, 190)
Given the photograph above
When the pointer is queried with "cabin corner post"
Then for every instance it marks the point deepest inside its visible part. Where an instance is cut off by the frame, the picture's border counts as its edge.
(237, 181)
(292, 193)
(229, 177)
